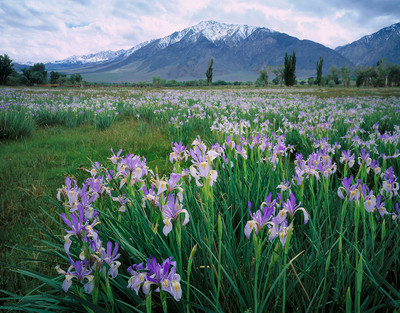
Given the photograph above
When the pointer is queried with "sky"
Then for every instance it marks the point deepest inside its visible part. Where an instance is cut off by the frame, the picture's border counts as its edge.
(44, 31)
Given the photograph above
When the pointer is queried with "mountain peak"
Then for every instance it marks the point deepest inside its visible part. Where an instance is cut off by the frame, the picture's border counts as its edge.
(369, 49)
(212, 30)
(383, 34)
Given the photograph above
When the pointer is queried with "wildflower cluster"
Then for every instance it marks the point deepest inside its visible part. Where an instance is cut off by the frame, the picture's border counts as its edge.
(277, 223)
(163, 276)
(80, 219)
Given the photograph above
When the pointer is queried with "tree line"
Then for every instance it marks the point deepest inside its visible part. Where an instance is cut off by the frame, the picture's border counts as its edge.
(33, 75)
(382, 75)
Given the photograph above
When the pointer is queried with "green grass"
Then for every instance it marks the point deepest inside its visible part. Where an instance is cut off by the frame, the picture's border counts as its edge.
(33, 168)
(228, 272)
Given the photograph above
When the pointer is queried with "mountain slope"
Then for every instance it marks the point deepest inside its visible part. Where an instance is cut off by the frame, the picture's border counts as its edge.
(239, 52)
(368, 50)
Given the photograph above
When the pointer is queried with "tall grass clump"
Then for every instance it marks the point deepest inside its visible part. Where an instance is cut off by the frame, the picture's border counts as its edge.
(15, 124)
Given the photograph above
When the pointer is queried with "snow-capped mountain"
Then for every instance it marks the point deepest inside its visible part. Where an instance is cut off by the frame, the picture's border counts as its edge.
(239, 52)
(102, 56)
(211, 30)
(369, 49)
(93, 58)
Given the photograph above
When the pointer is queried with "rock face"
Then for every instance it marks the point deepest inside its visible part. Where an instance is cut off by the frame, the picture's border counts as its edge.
(239, 52)
(370, 49)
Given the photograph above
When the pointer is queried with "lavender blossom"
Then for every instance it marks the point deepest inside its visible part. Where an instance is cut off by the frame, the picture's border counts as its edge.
(163, 276)
(110, 256)
(82, 272)
(347, 158)
(170, 212)
(178, 153)
(290, 207)
(260, 218)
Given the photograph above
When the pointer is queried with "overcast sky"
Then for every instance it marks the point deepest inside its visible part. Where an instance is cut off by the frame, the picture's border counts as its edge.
(41, 31)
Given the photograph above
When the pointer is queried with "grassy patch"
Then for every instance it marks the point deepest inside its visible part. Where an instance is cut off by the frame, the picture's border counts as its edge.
(33, 168)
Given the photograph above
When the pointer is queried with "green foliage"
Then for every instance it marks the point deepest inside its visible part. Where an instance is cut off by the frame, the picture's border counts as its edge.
(279, 74)
(345, 75)
(209, 72)
(76, 79)
(289, 69)
(263, 76)
(331, 83)
(382, 75)
(221, 270)
(158, 82)
(54, 77)
(6, 68)
(394, 75)
(319, 70)
(335, 74)
(15, 124)
(35, 74)
(104, 119)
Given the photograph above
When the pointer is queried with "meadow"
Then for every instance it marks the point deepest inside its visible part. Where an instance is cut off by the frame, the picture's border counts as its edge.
(200, 200)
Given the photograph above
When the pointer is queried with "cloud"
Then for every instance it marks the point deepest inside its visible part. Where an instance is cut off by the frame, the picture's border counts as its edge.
(37, 30)
(71, 25)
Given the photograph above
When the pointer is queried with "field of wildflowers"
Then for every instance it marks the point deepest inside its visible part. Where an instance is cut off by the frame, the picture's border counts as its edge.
(272, 202)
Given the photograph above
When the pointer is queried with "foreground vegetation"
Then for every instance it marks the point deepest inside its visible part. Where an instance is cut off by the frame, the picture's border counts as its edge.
(287, 201)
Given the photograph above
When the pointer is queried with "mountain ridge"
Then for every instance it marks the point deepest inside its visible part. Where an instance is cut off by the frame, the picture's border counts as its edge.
(369, 49)
(239, 52)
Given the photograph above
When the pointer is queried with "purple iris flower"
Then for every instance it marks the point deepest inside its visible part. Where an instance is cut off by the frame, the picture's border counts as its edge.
(230, 143)
(122, 201)
(261, 217)
(396, 216)
(115, 158)
(170, 212)
(178, 153)
(110, 256)
(351, 190)
(364, 158)
(290, 207)
(82, 272)
(375, 167)
(380, 206)
(163, 275)
(77, 225)
(390, 185)
(151, 196)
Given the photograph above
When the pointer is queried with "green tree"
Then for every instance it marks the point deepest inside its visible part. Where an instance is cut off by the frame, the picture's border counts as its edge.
(35, 74)
(75, 79)
(263, 77)
(279, 75)
(319, 70)
(6, 68)
(345, 74)
(54, 76)
(335, 74)
(209, 73)
(289, 69)
(383, 72)
(394, 74)
(158, 82)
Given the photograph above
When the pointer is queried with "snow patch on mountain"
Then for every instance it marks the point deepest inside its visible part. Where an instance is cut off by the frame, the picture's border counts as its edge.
(102, 56)
(213, 31)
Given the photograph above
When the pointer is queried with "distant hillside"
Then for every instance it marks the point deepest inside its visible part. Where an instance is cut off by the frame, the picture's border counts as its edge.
(239, 52)
(370, 49)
